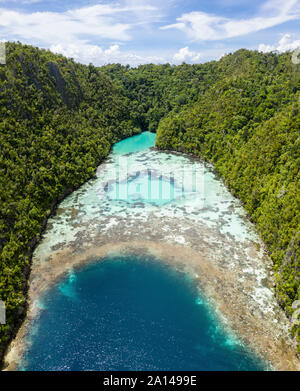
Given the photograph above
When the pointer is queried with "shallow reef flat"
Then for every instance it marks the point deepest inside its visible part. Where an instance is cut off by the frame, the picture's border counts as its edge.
(174, 208)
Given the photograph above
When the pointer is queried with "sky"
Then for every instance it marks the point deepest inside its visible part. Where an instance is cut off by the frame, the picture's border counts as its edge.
(151, 31)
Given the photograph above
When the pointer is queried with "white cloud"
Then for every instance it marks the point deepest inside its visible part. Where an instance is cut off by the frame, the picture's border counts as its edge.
(102, 21)
(95, 54)
(154, 10)
(52, 27)
(204, 26)
(284, 44)
(76, 32)
(184, 54)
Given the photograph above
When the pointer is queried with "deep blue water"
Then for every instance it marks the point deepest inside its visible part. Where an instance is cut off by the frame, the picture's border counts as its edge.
(131, 314)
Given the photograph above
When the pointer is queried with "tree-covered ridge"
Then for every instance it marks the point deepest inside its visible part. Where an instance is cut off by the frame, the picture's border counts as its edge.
(248, 125)
(154, 90)
(58, 122)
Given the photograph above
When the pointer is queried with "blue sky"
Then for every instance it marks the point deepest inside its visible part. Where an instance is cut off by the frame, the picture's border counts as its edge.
(159, 31)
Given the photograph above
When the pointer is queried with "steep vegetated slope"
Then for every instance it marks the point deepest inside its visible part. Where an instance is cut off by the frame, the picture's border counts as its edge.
(59, 120)
(248, 125)
(155, 90)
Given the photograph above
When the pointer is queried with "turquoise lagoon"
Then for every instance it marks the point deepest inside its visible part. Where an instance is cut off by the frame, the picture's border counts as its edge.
(137, 312)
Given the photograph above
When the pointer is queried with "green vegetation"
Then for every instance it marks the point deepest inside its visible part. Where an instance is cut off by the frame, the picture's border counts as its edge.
(242, 114)
(154, 90)
(248, 125)
(59, 120)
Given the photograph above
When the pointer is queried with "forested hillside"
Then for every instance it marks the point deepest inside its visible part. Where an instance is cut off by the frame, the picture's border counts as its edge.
(242, 114)
(59, 120)
(248, 125)
(154, 90)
